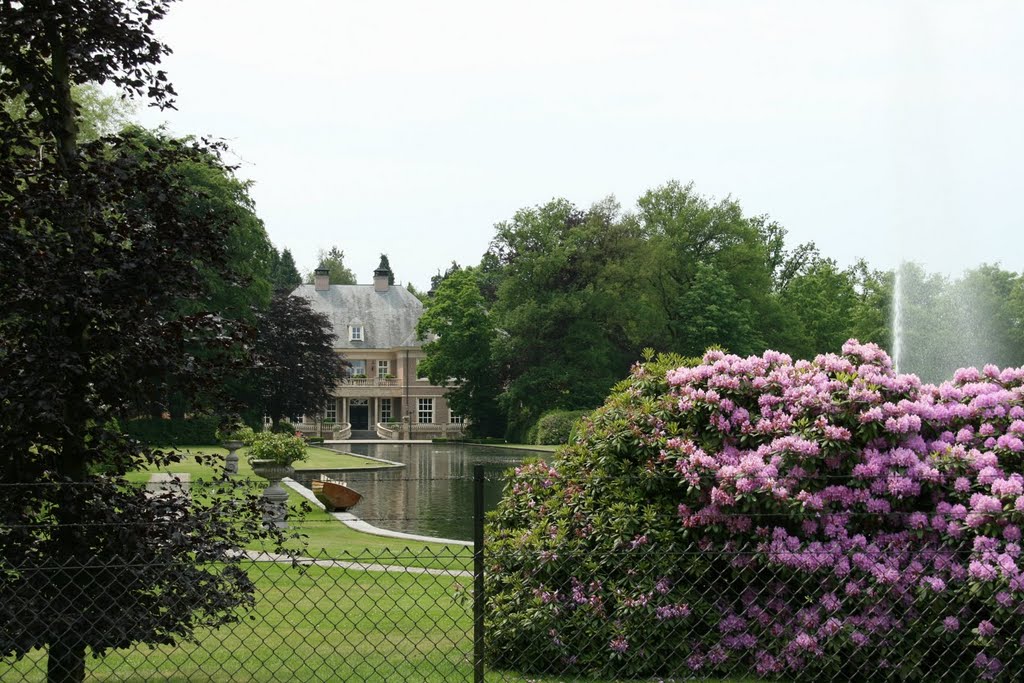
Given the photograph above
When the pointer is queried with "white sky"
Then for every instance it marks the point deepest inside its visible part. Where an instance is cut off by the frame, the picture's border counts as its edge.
(879, 129)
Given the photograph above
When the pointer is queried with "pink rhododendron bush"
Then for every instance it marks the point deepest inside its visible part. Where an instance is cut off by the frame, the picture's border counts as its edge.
(825, 519)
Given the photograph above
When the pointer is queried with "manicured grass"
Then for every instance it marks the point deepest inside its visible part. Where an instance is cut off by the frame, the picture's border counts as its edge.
(316, 624)
(320, 534)
(319, 458)
(329, 537)
(312, 624)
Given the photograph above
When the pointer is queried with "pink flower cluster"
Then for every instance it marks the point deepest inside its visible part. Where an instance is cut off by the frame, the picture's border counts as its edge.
(845, 441)
(843, 467)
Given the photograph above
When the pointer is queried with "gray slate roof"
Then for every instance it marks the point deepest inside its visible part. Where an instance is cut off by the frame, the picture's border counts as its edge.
(388, 318)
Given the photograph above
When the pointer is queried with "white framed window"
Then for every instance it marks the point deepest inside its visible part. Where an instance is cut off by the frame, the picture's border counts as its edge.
(358, 368)
(331, 412)
(383, 368)
(385, 410)
(425, 414)
(458, 419)
(355, 333)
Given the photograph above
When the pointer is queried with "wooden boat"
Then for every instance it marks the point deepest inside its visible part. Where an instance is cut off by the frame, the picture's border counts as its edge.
(335, 495)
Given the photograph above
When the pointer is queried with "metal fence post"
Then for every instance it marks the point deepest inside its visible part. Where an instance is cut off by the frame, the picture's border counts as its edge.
(478, 574)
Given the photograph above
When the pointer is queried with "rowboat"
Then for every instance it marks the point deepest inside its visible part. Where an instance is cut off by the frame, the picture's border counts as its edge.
(335, 495)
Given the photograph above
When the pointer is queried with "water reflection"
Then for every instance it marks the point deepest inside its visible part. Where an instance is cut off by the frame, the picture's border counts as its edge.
(433, 493)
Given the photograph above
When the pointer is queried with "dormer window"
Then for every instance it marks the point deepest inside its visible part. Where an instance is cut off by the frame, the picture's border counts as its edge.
(355, 333)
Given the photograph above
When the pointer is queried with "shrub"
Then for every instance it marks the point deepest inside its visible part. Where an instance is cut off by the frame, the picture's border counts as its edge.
(283, 427)
(760, 517)
(555, 426)
(281, 448)
(234, 429)
(191, 431)
(246, 435)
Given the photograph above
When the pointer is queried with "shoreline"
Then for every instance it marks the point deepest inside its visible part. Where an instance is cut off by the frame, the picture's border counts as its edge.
(356, 524)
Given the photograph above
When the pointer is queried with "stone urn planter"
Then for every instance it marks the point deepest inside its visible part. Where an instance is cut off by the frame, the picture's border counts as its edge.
(271, 457)
(231, 461)
(232, 434)
(275, 498)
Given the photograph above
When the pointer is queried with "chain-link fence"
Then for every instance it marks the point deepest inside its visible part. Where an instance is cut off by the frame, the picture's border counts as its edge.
(398, 610)
(386, 616)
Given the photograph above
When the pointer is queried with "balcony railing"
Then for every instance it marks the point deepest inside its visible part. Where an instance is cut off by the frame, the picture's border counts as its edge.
(444, 430)
(370, 382)
(327, 430)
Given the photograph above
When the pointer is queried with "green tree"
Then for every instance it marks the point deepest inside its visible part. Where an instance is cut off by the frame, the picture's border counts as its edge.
(284, 275)
(215, 191)
(823, 299)
(334, 261)
(871, 318)
(563, 306)
(992, 314)
(411, 288)
(686, 236)
(97, 113)
(100, 114)
(460, 353)
(710, 313)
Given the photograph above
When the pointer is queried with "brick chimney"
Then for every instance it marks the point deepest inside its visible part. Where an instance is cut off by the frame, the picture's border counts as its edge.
(380, 280)
(382, 276)
(321, 279)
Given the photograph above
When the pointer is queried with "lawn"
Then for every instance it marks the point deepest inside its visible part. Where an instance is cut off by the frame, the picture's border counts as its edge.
(321, 534)
(319, 458)
(315, 624)
(312, 624)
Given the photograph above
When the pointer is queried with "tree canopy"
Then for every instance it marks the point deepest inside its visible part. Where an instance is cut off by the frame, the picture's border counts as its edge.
(284, 275)
(334, 261)
(574, 295)
(298, 367)
(106, 252)
(461, 351)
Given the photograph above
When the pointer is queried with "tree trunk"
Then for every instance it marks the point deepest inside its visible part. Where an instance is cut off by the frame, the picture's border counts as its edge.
(66, 661)
(66, 132)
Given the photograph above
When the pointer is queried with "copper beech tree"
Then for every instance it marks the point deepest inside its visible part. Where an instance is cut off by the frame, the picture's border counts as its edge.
(99, 247)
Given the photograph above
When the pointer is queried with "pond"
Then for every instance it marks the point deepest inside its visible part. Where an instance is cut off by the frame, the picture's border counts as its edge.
(433, 493)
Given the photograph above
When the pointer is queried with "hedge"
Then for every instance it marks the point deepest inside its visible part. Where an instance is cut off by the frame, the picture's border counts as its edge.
(194, 431)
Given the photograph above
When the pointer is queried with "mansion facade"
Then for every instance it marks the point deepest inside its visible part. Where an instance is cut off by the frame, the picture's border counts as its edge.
(382, 395)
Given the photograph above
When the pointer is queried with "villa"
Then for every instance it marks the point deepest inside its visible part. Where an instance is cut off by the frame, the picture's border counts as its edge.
(382, 396)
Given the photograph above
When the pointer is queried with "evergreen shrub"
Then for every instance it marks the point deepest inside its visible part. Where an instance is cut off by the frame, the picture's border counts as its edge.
(198, 430)
(815, 520)
(555, 426)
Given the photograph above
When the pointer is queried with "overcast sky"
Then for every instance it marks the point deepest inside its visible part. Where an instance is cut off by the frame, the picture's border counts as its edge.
(878, 129)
